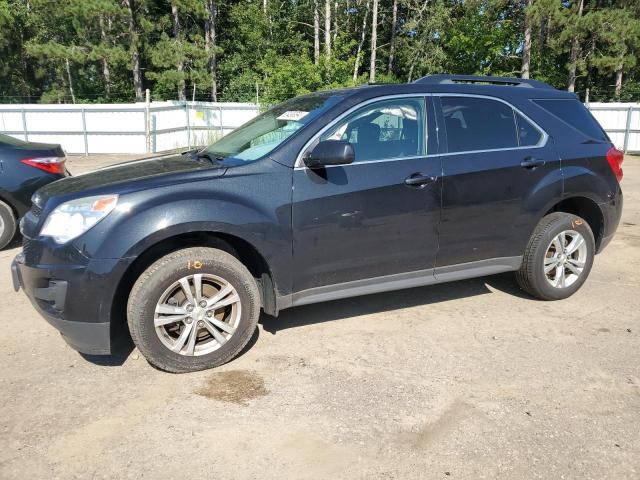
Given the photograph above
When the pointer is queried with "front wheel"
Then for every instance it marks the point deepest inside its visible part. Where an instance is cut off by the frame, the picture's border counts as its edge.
(558, 258)
(8, 224)
(193, 309)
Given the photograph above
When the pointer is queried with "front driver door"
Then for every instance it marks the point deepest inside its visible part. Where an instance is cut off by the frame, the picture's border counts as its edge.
(377, 216)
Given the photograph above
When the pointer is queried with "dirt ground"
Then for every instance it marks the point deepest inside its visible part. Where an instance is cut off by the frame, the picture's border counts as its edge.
(471, 379)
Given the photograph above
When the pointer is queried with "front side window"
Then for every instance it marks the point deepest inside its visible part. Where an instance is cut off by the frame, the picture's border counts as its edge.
(263, 134)
(478, 124)
(386, 129)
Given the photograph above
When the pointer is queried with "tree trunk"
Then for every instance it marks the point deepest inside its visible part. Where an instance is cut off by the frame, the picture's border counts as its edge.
(573, 54)
(592, 50)
(526, 49)
(182, 94)
(335, 21)
(211, 45)
(316, 32)
(133, 50)
(327, 28)
(106, 72)
(363, 35)
(264, 6)
(69, 80)
(618, 80)
(392, 43)
(374, 42)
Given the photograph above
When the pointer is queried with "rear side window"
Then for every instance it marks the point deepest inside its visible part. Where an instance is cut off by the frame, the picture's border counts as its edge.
(573, 113)
(528, 135)
(478, 124)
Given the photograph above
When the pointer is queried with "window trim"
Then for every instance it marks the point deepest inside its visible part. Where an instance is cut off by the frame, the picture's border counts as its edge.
(299, 164)
(517, 121)
(541, 143)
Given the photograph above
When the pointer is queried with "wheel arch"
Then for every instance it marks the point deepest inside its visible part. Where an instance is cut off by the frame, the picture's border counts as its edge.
(4, 198)
(240, 248)
(585, 208)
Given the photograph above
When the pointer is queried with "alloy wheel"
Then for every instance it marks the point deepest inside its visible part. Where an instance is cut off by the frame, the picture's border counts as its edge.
(565, 259)
(197, 314)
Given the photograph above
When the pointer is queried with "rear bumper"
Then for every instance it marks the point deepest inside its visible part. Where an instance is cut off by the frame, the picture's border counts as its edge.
(611, 212)
(75, 299)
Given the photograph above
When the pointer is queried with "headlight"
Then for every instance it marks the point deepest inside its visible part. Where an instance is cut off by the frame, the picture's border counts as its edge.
(71, 219)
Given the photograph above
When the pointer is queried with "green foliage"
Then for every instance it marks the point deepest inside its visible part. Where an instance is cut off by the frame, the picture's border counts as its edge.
(85, 50)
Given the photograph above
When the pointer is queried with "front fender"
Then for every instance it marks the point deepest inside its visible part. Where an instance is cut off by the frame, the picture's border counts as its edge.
(256, 209)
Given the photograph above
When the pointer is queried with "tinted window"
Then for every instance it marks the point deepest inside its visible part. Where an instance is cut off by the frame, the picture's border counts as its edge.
(478, 124)
(384, 130)
(528, 135)
(576, 115)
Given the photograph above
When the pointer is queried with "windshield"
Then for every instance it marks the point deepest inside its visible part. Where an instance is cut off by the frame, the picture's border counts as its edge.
(263, 134)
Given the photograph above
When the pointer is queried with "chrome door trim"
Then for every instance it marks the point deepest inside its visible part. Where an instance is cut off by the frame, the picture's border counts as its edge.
(541, 143)
(299, 164)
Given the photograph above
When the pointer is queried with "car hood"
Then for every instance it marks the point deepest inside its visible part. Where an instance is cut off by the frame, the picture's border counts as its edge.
(130, 176)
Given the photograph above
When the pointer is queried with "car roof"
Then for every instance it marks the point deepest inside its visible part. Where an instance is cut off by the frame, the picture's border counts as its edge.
(502, 87)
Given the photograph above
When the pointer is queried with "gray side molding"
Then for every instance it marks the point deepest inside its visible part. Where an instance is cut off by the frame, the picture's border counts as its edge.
(401, 281)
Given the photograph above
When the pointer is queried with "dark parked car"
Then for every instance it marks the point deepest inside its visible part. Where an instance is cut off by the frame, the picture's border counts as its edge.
(24, 168)
(326, 196)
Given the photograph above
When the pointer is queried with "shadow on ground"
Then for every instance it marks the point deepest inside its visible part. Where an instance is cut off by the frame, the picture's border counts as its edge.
(389, 301)
(350, 307)
(123, 346)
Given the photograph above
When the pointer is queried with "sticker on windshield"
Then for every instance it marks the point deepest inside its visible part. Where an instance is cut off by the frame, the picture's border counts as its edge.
(293, 115)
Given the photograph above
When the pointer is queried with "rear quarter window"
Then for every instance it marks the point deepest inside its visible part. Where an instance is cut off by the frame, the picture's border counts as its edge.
(574, 114)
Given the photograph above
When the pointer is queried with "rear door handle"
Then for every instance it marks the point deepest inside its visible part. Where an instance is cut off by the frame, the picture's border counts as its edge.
(419, 179)
(531, 163)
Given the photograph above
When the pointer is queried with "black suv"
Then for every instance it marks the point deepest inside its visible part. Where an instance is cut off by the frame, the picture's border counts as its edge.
(328, 195)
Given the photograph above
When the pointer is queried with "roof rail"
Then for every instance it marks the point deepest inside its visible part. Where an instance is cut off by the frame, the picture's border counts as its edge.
(513, 81)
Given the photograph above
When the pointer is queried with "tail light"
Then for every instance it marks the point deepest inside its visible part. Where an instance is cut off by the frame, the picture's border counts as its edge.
(48, 164)
(615, 158)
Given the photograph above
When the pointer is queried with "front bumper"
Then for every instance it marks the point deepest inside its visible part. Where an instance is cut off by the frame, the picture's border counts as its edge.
(75, 299)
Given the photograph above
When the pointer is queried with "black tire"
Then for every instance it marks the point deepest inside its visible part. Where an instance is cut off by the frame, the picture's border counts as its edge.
(150, 286)
(8, 224)
(531, 276)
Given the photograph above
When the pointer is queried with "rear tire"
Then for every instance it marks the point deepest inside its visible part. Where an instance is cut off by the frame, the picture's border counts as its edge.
(8, 224)
(184, 331)
(558, 258)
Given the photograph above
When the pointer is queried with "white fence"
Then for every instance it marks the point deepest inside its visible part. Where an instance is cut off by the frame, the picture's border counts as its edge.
(161, 126)
(124, 128)
(621, 121)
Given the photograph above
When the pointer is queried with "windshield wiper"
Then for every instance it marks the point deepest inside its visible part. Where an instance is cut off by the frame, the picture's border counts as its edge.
(196, 154)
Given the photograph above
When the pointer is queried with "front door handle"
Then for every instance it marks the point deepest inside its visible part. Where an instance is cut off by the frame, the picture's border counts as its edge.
(530, 163)
(419, 179)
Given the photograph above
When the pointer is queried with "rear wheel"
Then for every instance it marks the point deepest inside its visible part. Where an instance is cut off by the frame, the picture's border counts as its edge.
(8, 224)
(559, 257)
(193, 309)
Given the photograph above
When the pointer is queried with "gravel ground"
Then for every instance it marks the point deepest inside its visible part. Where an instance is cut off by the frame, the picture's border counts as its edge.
(471, 379)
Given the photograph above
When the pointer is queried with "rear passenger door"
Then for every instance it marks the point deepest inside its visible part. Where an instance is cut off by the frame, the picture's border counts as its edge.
(499, 169)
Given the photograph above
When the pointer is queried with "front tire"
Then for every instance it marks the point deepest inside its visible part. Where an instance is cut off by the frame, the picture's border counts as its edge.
(193, 309)
(8, 224)
(558, 258)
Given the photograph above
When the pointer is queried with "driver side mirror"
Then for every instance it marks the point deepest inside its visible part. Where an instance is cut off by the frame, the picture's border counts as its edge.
(330, 152)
